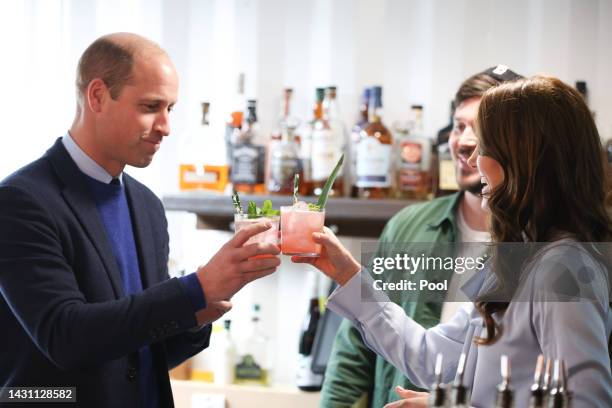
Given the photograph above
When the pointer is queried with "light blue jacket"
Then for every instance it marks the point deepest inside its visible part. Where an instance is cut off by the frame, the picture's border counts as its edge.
(536, 323)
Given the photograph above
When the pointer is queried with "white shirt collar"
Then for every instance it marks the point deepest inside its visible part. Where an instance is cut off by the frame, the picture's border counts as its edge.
(85, 163)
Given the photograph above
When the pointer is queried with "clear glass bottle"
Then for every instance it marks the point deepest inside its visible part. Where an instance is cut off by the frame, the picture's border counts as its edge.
(362, 122)
(224, 360)
(248, 157)
(234, 123)
(284, 163)
(306, 185)
(253, 365)
(413, 158)
(373, 161)
(328, 143)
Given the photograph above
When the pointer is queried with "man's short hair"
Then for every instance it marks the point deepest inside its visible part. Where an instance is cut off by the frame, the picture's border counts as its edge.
(476, 85)
(107, 60)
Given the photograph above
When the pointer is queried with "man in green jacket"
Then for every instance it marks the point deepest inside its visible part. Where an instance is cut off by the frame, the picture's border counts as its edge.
(356, 376)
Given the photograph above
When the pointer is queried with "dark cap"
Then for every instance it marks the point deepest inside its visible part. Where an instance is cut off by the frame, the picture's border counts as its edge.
(502, 73)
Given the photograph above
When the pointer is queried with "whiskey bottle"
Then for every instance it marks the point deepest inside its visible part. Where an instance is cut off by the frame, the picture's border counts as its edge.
(194, 171)
(373, 159)
(248, 158)
(445, 180)
(414, 158)
(327, 145)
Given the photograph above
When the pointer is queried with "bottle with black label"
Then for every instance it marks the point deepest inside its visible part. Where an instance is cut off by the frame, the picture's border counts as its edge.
(446, 177)
(248, 158)
(306, 379)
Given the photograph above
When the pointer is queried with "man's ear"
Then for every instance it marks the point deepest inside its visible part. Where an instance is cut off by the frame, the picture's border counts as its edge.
(96, 95)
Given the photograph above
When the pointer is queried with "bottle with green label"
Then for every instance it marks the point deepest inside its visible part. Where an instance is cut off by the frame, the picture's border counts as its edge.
(253, 364)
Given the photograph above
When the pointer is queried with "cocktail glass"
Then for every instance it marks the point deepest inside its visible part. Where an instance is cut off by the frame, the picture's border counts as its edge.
(297, 226)
(269, 236)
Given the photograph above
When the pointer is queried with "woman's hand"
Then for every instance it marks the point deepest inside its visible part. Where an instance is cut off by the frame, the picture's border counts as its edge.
(411, 399)
(335, 260)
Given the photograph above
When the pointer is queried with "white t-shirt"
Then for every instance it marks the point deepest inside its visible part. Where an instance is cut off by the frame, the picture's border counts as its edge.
(465, 234)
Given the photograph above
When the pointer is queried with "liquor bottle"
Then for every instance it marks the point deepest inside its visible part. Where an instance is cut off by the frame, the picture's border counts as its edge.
(447, 179)
(234, 124)
(224, 361)
(203, 364)
(284, 163)
(536, 400)
(362, 122)
(306, 379)
(248, 158)
(414, 158)
(194, 172)
(373, 161)
(505, 394)
(459, 392)
(253, 366)
(327, 145)
(306, 185)
(437, 395)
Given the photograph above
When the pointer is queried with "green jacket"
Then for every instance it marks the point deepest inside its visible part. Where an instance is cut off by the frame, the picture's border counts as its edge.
(355, 374)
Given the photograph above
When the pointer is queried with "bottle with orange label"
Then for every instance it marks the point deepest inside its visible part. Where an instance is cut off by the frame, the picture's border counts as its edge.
(413, 158)
(194, 172)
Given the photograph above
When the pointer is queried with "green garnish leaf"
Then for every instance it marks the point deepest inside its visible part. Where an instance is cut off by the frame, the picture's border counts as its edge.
(267, 210)
(313, 207)
(329, 183)
(296, 186)
(252, 210)
(267, 206)
(236, 201)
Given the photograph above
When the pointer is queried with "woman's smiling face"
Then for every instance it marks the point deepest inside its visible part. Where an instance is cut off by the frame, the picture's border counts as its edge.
(491, 174)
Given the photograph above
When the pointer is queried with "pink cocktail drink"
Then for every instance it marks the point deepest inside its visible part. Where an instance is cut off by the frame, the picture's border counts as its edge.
(269, 236)
(297, 226)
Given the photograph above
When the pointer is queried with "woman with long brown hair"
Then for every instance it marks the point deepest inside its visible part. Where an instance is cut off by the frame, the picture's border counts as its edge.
(545, 290)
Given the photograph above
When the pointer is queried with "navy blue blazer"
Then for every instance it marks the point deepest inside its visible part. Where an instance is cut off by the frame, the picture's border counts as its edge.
(64, 317)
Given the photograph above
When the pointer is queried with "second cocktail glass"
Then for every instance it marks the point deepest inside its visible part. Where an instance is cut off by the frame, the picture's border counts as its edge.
(298, 223)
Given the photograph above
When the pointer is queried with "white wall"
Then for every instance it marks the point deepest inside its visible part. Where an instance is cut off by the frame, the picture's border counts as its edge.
(418, 50)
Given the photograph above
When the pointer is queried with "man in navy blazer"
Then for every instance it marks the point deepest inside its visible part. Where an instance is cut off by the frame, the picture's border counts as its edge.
(86, 299)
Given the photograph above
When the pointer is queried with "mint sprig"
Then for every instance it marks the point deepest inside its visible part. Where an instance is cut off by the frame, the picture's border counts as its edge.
(328, 184)
(265, 211)
(296, 186)
(236, 201)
